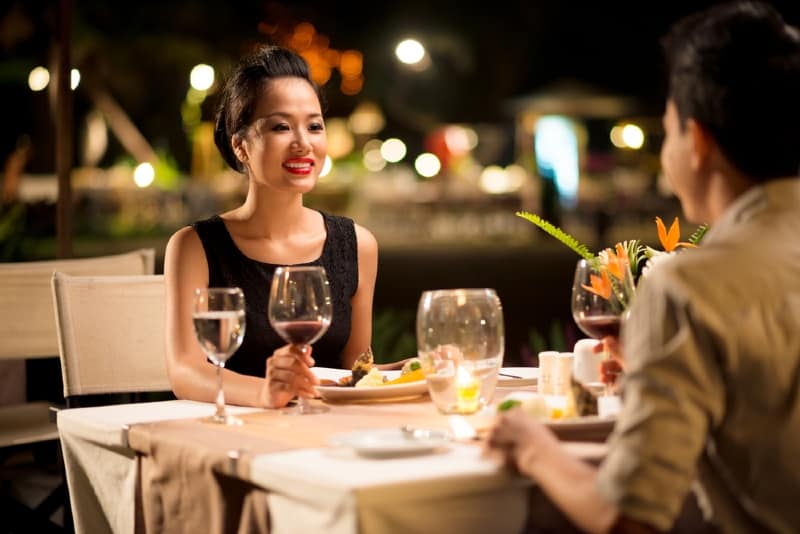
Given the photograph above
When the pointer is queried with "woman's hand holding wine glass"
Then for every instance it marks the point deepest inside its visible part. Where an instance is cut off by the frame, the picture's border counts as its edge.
(288, 375)
(300, 311)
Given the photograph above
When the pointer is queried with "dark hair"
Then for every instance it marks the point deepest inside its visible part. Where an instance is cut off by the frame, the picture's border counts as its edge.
(243, 88)
(735, 69)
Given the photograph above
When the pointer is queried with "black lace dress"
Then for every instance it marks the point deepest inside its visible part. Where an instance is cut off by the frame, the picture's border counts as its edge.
(228, 267)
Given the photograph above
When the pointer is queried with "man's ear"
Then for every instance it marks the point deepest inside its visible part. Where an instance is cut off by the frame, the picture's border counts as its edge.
(702, 144)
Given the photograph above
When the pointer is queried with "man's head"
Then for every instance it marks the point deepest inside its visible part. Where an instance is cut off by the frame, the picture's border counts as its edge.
(735, 70)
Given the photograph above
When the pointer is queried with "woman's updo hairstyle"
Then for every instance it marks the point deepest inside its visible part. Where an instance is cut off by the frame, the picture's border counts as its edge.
(245, 86)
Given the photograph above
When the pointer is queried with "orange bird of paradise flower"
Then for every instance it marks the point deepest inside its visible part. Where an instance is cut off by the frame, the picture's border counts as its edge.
(616, 260)
(601, 285)
(669, 240)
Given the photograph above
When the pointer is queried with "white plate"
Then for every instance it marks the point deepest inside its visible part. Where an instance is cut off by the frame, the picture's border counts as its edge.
(586, 428)
(528, 376)
(340, 393)
(388, 442)
(330, 373)
(369, 393)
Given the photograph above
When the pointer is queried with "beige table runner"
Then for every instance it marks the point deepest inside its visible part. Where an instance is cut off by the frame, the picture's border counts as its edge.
(191, 472)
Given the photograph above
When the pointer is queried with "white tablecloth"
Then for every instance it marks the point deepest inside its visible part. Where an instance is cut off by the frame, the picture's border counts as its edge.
(316, 489)
(101, 468)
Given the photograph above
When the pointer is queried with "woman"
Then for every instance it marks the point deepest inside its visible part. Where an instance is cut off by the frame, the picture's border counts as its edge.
(269, 127)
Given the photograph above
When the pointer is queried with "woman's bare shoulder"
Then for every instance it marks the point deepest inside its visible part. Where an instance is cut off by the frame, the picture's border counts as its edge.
(366, 240)
(184, 250)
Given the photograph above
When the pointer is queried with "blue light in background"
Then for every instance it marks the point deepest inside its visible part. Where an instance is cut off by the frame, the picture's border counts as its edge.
(556, 147)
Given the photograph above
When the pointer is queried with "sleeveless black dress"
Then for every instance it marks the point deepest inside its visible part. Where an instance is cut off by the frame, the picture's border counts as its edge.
(228, 267)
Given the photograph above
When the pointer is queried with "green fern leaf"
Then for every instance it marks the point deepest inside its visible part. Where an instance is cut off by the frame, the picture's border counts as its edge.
(556, 232)
(698, 234)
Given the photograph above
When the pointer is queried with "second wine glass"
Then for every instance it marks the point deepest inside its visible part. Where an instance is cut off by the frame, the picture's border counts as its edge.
(218, 314)
(601, 293)
(300, 311)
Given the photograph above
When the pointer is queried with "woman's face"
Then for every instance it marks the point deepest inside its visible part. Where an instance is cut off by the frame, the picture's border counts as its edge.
(285, 146)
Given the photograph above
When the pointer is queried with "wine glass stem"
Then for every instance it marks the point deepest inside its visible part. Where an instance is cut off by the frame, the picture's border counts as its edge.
(303, 406)
(220, 415)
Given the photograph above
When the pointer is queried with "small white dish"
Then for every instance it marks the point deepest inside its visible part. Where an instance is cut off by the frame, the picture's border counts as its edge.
(384, 442)
(528, 376)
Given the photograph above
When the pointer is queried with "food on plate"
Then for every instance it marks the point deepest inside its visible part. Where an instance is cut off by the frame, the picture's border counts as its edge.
(362, 366)
(411, 365)
(584, 401)
(531, 403)
(366, 374)
(372, 378)
(404, 378)
(578, 403)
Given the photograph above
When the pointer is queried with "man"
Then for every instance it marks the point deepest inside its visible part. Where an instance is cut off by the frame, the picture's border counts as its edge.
(712, 346)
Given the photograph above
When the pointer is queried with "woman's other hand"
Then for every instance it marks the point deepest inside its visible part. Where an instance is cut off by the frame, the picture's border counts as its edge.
(288, 375)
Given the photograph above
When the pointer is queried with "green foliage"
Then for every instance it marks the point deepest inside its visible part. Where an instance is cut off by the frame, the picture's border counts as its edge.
(637, 256)
(393, 335)
(555, 340)
(698, 234)
(12, 230)
(167, 175)
(556, 232)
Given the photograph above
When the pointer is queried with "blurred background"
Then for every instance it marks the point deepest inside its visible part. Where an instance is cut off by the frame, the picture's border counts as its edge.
(444, 119)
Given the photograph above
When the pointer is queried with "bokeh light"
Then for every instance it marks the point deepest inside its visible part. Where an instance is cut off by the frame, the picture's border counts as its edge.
(38, 79)
(201, 77)
(144, 174)
(633, 136)
(327, 167)
(393, 150)
(410, 51)
(427, 165)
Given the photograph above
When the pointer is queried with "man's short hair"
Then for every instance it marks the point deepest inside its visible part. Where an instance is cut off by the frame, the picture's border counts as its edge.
(735, 69)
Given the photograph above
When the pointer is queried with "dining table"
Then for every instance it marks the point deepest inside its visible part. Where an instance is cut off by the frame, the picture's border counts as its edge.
(371, 465)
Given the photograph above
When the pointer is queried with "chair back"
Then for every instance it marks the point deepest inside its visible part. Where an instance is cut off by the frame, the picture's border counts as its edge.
(111, 333)
(27, 328)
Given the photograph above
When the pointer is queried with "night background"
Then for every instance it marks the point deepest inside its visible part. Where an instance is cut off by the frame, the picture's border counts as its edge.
(488, 61)
(483, 54)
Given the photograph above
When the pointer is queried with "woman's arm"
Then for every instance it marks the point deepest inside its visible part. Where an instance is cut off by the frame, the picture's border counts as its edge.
(361, 318)
(192, 376)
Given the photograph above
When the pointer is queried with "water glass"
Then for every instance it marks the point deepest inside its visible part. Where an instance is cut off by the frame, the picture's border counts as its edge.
(460, 342)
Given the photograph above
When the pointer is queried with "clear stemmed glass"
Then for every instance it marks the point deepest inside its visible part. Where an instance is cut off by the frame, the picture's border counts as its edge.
(601, 293)
(219, 323)
(460, 341)
(300, 311)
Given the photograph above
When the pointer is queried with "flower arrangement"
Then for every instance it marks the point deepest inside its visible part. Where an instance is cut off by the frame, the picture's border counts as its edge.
(633, 253)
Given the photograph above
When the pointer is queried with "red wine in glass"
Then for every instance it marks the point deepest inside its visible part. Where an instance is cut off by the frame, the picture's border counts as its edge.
(300, 332)
(300, 311)
(599, 326)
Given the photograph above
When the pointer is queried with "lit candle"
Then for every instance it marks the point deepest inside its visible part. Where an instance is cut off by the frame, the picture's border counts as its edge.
(468, 390)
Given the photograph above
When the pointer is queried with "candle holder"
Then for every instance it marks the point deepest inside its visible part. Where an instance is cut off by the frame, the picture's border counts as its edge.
(468, 392)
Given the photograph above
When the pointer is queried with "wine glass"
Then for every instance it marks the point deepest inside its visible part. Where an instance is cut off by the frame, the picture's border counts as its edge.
(601, 293)
(219, 324)
(300, 311)
(460, 342)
